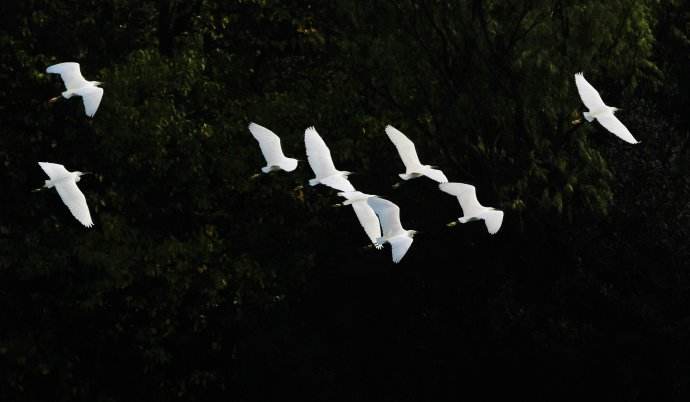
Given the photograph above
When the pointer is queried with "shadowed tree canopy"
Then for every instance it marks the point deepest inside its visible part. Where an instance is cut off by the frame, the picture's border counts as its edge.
(197, 283)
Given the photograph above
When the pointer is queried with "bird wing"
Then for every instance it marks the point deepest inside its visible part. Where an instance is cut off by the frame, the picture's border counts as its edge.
(611, 123)
(590, 96)
(399, 247)
(436, 175)
(337, 182)
(53, 170)
(368, 220)
(91, 95)
(492, 219)
(70, 74)
(318, 154)
(269, 143)
(467, 197)
(389, 215)
(405, 148)
(75, 201)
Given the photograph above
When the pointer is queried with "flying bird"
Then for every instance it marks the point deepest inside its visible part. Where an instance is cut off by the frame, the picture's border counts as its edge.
(600, 111)
(393, 232)
(65, 183)
(270, 148)
(76, 84)
(471, 208)
(366, 215)
(319, 157)
(408, 154)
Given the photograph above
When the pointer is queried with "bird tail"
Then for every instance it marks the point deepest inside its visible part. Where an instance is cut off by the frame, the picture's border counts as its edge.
(313, 182)
(588, 116)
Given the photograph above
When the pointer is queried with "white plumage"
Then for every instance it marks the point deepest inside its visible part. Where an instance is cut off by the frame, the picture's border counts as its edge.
(269, 143)
(393, 232)
(65, 183)
(76, 84)
(319, 157)
(366, 215)
(472, 210)
(600, 111)
(408, 154)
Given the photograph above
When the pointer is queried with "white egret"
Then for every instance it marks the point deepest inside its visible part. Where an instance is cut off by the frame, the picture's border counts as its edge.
(319, 157)
(269, 143)
(408, 154)
(76, 84)
(65, 183)
(472, 210)
(366, 215)
(393, 232)
(600, 111)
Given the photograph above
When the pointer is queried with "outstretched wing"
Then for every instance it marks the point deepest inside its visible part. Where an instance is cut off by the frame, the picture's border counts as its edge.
(590, 96)
(492, 219)
(318, 155)
(467, 197)
(70, 74)
(389, 215)
(53, 170)
(92, 98)
(399, 247)
(368, 220)
(405, 148)
(611, 123)
(338, 182)
(75, 201)
(269, 143)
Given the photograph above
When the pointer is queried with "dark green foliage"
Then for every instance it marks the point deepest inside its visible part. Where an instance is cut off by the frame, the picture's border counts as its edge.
(199, 284)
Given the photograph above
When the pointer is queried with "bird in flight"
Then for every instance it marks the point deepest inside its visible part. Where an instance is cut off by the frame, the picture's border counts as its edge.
(269, 143)
(393, 232)
(408, 154)
(471, 208)
(76, 84)
(600, 111)
(366, 215)
(319, 157)
(65, 183)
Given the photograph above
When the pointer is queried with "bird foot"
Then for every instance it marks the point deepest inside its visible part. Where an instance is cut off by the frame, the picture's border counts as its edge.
(396, 185)
(337, 205)
(576, 122)
(53, 100)
(451, 224)
(254, 176)
(37, 189)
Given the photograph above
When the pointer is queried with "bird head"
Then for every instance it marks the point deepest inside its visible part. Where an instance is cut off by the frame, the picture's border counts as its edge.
(78, 175)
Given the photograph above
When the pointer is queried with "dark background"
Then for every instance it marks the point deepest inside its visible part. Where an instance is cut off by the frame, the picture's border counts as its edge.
(197, 283)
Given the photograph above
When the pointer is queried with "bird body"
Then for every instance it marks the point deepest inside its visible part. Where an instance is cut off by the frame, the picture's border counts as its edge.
(394, 234)
(472, 210)
(601, 112)
(270, 146)
(319, 157)
(65, 182)
(76, 84)
(365, 214)
(408, 154)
